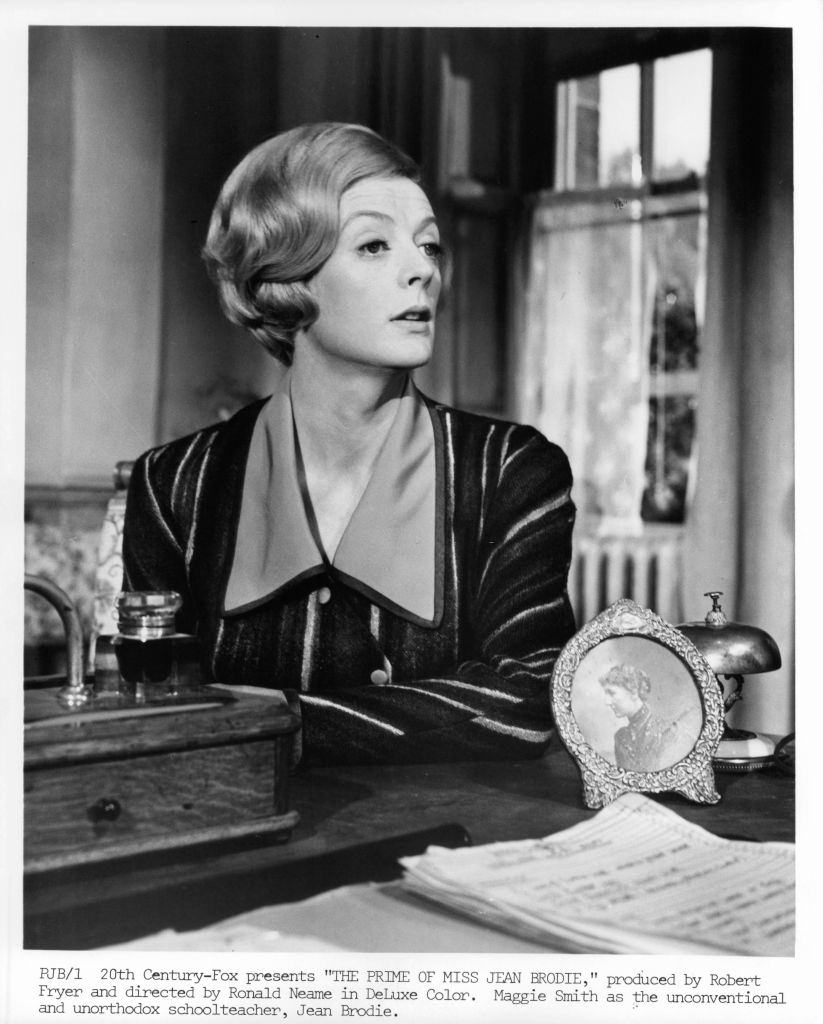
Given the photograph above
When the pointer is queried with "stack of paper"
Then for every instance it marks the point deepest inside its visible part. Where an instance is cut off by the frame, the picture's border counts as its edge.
(635, 878)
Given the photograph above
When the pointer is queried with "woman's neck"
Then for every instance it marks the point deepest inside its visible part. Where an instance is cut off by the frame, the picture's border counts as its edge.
(344, 413)
(342, 417)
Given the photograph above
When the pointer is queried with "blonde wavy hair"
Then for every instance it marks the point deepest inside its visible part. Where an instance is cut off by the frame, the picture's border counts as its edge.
(276, 222)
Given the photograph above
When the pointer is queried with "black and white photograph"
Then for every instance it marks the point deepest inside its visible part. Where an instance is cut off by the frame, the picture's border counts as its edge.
(638, 704)
(363, 367)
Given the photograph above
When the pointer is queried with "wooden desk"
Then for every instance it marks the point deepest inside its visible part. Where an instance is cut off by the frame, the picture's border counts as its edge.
(108, 782)
(349, 817)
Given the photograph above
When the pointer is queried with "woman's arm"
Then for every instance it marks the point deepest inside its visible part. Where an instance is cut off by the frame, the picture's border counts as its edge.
(496, 704)
(154, 546)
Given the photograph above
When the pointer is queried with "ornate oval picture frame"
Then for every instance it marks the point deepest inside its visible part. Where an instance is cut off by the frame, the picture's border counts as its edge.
(638, 707)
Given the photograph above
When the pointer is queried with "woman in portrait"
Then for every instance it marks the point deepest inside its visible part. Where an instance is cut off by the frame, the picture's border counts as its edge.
(398, 563)
(647, 742)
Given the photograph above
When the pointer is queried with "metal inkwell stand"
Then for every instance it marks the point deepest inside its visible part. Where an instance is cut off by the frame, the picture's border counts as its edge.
(142, 755)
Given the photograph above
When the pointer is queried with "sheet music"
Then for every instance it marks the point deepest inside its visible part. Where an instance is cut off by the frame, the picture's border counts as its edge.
(635, 878)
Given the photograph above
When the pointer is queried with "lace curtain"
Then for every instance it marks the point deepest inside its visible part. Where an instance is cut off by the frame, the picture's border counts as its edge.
(583, 371)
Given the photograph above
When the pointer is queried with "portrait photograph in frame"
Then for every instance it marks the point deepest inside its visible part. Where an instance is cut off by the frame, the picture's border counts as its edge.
(638, 707)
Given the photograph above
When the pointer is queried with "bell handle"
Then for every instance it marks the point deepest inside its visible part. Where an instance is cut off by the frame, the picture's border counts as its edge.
(735, 694)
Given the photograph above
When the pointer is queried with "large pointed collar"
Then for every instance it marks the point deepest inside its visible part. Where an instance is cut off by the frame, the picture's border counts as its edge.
(391, 550)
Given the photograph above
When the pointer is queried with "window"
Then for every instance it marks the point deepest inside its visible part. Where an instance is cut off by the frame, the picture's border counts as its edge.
(617, 277)
(598, 130)
(635, 124)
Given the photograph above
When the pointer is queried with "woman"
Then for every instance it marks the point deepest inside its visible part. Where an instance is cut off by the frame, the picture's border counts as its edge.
(400, 564)
(647, 742)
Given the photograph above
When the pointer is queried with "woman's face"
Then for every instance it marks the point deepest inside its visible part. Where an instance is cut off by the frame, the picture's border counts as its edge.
(622, 703)
(377, 293)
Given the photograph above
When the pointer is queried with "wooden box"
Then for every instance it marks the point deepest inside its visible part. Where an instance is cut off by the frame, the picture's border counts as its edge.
(110, 783)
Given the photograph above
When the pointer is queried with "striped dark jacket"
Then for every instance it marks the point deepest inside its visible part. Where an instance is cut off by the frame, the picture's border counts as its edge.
(476, 686)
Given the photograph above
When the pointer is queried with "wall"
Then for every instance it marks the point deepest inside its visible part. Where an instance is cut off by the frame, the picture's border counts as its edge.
(132, 132)
(94, 256)
(95, 207)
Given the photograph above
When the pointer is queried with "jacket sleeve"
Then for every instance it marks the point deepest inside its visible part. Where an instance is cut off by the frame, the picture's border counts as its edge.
(495, 704)
(154, 545)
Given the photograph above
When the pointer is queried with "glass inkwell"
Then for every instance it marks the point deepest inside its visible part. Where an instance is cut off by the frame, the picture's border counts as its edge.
(156, 664)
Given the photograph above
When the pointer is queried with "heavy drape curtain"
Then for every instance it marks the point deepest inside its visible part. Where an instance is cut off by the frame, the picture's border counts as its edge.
(740, 528)
(581, 368)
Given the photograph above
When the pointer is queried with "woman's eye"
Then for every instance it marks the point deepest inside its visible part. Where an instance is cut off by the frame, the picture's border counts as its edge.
(432, 249)
(374, 247)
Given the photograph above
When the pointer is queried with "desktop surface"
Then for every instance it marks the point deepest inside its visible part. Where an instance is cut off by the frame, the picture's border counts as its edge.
(355, 822)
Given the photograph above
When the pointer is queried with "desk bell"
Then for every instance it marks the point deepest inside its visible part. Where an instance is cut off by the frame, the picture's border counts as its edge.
(733, 650)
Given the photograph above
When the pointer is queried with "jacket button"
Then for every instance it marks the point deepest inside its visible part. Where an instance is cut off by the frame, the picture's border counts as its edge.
(379, 677)
(324, 595)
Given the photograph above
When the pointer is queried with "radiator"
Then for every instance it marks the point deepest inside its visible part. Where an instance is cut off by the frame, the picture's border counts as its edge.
(646, 569)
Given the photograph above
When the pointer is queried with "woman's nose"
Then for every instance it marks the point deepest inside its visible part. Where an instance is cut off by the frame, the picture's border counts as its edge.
(417, 267)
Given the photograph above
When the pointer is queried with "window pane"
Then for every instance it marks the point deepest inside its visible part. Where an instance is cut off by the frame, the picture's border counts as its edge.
(676, 248)
(599, 130)
(620, 126)
(682, 105)
(668, 460)
(585, 95)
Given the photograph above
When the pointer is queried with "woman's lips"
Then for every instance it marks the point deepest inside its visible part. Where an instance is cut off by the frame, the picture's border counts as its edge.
(415, 314)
